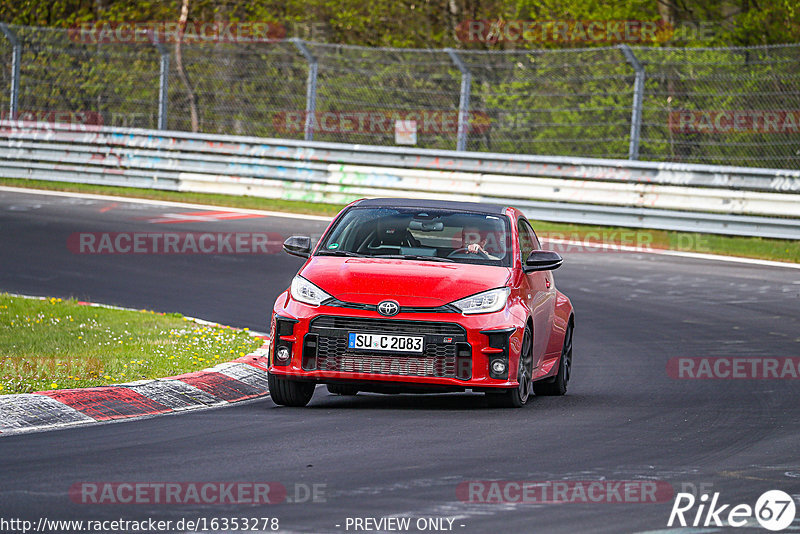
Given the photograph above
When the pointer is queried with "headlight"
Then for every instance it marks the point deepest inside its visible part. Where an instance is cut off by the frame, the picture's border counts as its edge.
(486, 302)
(305, 291)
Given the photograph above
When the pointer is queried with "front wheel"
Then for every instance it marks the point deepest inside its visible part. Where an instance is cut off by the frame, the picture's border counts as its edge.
(558, 385)
(289, 392)
(518, 396)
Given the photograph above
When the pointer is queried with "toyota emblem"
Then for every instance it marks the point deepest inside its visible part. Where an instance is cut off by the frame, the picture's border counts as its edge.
(388, 308)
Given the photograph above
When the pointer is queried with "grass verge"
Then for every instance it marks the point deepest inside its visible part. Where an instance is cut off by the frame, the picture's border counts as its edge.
(54, 344)
(750, 247)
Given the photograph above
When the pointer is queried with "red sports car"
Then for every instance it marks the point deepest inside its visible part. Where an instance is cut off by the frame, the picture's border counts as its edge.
(409, 295)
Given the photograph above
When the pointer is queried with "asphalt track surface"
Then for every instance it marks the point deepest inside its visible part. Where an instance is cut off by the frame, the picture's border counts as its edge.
(623, 418)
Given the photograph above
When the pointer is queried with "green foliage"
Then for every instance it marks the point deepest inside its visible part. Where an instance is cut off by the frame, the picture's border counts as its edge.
(422, 23)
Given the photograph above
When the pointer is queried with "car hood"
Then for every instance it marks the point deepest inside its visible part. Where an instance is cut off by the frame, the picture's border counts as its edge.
(409, 282)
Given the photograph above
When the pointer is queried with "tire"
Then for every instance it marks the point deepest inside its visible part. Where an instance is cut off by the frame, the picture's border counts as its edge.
(558, 385)
(290, 392)
(517, 397)
(342, 389)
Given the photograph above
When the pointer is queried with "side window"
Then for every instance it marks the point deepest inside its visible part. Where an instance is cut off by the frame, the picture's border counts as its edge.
(527, 239)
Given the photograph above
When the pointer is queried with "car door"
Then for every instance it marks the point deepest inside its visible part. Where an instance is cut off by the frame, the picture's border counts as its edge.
(541, 293)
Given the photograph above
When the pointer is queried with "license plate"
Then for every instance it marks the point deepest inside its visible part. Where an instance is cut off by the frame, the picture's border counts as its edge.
(360, 341)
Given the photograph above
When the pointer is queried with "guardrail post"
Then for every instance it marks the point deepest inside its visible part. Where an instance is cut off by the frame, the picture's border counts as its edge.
(311, 88)
(163, 83)
(463, 101)
(16, 56)
(638, 97)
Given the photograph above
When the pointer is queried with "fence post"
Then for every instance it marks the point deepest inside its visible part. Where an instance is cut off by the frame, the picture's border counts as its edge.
(16, 56)
(638, 97)
(311, 88)
(463, 101)
(163, 83)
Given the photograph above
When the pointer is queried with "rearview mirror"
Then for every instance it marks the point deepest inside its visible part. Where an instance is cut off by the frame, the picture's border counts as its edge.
(298, 245)
(426, 226)
(543, 260)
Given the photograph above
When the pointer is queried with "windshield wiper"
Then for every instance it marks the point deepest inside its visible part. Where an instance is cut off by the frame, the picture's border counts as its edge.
(413, 257)
(340, 253)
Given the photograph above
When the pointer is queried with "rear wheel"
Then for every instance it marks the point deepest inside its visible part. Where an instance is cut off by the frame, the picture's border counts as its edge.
(342, 389)
(558, 385)
(289, 392)
(518, 396)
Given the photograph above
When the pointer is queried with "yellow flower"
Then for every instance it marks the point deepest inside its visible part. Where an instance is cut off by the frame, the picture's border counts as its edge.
(107, 377)
(53, 385)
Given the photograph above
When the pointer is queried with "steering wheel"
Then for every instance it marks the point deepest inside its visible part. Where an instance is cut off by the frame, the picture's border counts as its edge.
(466, 252)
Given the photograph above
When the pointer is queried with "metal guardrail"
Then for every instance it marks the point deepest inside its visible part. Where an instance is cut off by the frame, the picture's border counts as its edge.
(701, 198)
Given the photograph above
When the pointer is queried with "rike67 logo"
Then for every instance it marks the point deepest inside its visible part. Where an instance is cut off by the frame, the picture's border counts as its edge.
(774, 510)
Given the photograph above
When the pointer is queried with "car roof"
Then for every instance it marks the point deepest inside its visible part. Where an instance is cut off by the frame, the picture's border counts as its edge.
(479, 207)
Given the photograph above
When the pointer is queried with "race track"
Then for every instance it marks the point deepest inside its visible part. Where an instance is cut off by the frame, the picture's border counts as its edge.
(623, 419)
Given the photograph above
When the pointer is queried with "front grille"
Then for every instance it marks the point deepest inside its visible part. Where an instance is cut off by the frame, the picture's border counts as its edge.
(450, 359)
(336, 303)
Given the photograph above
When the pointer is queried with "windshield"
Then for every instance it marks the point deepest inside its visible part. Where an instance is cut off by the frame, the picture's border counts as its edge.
(420, 234)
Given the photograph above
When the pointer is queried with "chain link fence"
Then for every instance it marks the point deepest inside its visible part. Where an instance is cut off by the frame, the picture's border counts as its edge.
(732, 106)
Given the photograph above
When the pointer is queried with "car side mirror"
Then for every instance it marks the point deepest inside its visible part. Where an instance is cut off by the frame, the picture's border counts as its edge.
(543, 260)
(298, 245)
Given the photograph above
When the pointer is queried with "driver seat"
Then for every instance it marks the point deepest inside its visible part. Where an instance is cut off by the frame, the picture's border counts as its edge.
(392, 234)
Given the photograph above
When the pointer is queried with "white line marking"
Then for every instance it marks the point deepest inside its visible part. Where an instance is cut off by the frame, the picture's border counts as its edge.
(663, 252)
(279, 214)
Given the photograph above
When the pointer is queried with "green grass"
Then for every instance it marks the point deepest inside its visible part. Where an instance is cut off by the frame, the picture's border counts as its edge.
(55, 344)
(750, 247)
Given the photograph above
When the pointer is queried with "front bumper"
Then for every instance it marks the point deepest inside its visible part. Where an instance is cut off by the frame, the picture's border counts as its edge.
(458, 352)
